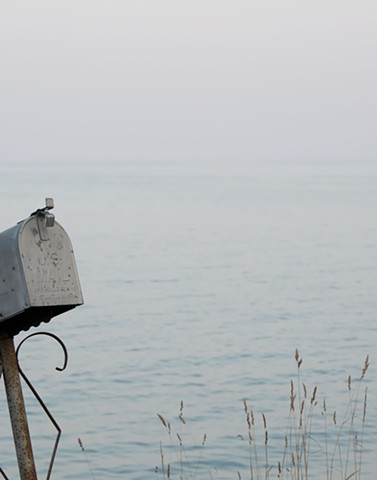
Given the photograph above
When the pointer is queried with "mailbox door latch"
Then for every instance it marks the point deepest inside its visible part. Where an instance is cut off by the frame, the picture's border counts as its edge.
(45, 219)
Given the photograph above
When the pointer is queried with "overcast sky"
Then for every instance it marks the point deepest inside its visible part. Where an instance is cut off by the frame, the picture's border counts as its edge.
(188, 80)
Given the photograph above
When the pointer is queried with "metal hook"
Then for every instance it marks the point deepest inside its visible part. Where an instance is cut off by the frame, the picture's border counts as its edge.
(55, 337)
(37, 396)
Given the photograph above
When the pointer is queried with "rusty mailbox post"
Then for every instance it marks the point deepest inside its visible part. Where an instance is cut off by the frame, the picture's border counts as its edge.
(38, 280)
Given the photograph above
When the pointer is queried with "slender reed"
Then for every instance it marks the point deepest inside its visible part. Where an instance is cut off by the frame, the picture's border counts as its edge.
(86, 457)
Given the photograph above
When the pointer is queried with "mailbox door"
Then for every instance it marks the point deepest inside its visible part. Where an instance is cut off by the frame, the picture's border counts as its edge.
(49, 265)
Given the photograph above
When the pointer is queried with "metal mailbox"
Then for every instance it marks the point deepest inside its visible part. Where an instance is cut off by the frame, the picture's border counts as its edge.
(38, 274)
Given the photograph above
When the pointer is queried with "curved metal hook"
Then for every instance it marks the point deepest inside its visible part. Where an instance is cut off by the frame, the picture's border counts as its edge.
(55, 337)
(37, 396)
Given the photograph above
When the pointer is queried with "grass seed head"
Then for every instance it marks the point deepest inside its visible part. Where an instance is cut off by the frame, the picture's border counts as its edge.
(365, 404)
(296, 355)
(248, 419)
(314, 395)
(365, 368)
(264, 421)
(162, 420)
(292, 407)
(182, 419)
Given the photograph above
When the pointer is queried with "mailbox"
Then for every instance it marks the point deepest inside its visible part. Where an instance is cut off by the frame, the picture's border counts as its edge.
(38, 274)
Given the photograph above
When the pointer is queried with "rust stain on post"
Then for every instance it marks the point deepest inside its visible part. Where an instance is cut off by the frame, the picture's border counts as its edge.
(17, 411)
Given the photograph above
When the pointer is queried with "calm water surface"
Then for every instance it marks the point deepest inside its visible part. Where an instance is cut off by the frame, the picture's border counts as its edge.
(199, 285)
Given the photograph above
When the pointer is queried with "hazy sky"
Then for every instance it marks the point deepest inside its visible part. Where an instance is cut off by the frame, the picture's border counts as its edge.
(188, 80)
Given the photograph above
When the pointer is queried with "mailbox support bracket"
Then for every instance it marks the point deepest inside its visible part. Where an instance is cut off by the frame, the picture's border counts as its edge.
(9, 357)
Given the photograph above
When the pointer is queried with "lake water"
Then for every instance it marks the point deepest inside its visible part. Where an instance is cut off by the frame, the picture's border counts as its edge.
(199, 284)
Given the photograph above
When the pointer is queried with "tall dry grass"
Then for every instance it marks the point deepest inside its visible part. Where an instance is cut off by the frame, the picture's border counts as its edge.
(318, 444)
(186, 466)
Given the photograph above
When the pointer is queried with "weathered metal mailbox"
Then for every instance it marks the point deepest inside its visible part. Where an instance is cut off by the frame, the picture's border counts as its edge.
(38, 280)
(38, 275)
